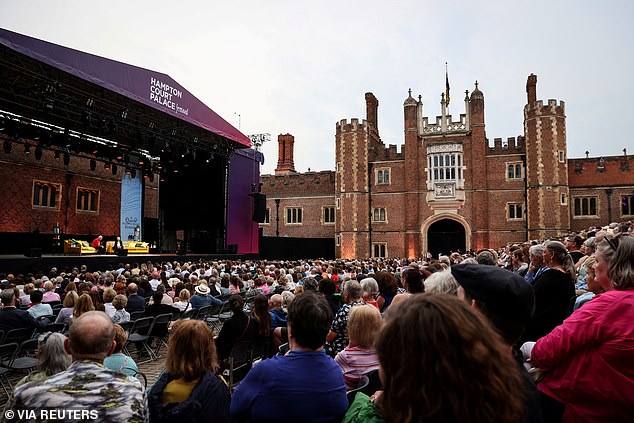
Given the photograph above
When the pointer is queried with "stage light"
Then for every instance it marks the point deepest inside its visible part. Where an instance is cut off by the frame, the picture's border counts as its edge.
(66, 159)
(57, 155)
(120, 156)
(93, 164)
(127, 171)
(114, 169)
(7, 146)
(27, 149)
(106, 166)
(38, 153)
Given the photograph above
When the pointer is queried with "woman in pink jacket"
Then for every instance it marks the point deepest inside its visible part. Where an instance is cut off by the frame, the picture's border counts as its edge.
(588, 361)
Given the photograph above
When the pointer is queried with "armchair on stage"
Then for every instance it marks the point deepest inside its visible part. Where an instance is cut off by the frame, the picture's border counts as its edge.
(73, 246)
(132, 247)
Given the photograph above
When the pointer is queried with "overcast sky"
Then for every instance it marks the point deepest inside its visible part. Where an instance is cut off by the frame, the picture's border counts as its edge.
(301, 66)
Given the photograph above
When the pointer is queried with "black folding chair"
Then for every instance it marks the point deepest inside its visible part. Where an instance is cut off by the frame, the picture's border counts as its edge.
(7, 352)
(160, 332)
(363, 382)
(24, 359)
(240, 362)
(136, 315)
(54, 327)
(18, 335)
(139, 334)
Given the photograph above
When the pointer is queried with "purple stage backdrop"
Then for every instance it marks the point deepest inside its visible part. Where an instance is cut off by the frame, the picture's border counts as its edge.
(244, 174)
(153, 89)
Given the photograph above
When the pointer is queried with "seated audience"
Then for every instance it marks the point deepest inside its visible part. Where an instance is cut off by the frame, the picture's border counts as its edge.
(587, 361)
(239, 326)
(359, 357)
(38, 309)
(189, 391)
(108, 296)
(135, 301)
(51, 358)
(202, 298)
(181, 302)
(66, 313)
(370, 291)
(458, 369)
(278, 314)
(49, 293)
(118, 361)
(120, 315)
(337, 338)
(304, 385)
(94, 388)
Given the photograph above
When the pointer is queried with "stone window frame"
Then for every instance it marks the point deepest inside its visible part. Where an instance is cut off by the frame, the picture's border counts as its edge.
(83, 190)
(581, 198)
(299, 216)
(514, 206)
(507, 165)
(433, 166)
(338, 240)
(380, 174)
(324, 215)
(379, 245)
(36, 188)
(561, 156)
(630, 200)
(338, 203)
(378, 210)
(563, 199)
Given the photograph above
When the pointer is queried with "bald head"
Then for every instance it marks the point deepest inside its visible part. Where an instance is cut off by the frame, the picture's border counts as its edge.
(91, 336)
(133, 288)
(276, 300)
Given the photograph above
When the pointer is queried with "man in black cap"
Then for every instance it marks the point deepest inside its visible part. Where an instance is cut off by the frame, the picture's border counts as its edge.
(508, 302)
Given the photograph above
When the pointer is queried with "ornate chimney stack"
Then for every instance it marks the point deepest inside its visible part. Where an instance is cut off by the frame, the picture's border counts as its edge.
(285, 163)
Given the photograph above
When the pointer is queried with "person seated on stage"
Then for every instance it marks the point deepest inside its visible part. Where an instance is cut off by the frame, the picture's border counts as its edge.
(96, 244)
(118, 245)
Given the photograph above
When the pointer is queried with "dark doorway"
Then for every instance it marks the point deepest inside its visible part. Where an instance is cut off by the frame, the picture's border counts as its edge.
(446, 236)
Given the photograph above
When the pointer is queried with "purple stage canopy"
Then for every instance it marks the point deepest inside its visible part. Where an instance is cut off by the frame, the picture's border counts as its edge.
(153, 89)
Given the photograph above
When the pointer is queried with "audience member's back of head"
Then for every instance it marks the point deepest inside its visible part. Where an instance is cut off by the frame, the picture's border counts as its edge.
(327, 286)
(52, 357)
(353, 290)
(36, 296)
(486, 258)
(91, 334)
(442, 362)
(364, 324)
(191, 350)
(309, 316)
(441, 283)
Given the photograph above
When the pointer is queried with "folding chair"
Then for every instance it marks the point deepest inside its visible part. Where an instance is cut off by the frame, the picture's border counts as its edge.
(140, 334)
(213, 319)
(142, 378)
(190, 314)
(160, 332)
(136, 315)
(18, 335)
(24, 359)
(54, 327)
(7, 352)
(240, 362)
(374, 383)
(363, 382)
(203, 312)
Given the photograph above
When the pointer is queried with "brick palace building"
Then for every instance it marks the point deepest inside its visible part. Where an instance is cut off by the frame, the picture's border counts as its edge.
(446, 189)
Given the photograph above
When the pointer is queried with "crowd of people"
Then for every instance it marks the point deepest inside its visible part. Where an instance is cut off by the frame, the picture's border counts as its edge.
(534, 332)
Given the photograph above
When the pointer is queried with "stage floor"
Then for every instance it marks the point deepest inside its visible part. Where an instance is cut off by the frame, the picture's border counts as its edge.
(16, 264)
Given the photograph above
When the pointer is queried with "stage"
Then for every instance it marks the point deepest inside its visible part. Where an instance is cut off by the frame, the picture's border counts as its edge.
(19, 264)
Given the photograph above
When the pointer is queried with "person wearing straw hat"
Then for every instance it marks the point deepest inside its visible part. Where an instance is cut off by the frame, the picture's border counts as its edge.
(202, 298)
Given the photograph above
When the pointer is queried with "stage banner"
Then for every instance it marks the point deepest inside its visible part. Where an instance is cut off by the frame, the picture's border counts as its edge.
(131, 208)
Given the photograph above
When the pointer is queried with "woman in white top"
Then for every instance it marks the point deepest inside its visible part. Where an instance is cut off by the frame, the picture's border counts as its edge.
(182, 301)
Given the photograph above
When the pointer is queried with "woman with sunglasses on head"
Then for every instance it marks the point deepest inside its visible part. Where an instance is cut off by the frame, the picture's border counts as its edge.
(588, 361)
(51, 358)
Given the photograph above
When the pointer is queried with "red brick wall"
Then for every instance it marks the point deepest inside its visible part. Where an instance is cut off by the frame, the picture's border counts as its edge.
(16, 187)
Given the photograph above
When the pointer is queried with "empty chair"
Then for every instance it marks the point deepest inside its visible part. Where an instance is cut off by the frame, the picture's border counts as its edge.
(239, 362)
(7, 352)
(18, 335)
(139, 334)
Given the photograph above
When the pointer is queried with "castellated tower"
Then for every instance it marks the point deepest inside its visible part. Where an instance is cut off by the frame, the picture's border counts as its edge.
(548, 212)
(285, 163)
(412, 153)
(356, 145)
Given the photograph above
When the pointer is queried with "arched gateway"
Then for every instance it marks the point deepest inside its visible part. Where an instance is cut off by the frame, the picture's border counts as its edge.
(445, 236)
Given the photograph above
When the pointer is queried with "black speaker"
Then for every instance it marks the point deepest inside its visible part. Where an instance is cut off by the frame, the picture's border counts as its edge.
(259, 207)
(33, 252)
(232, 248)
(122, 253)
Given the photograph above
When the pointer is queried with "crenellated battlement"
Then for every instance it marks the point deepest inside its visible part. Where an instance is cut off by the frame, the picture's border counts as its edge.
(389, 153)
(512, 145)
(551, 107)
(353, 126)
(452, 126)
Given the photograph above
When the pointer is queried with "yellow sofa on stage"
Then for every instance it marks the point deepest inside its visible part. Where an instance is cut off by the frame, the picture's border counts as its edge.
(137, 247)
(73, 246)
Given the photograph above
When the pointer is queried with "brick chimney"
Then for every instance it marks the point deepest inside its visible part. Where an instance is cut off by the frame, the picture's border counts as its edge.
(285, 163)
(371, 110)
(531, 88)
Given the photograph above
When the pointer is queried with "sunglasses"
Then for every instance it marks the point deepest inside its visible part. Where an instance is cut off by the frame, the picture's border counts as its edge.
(613, 242)
(44, 337)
